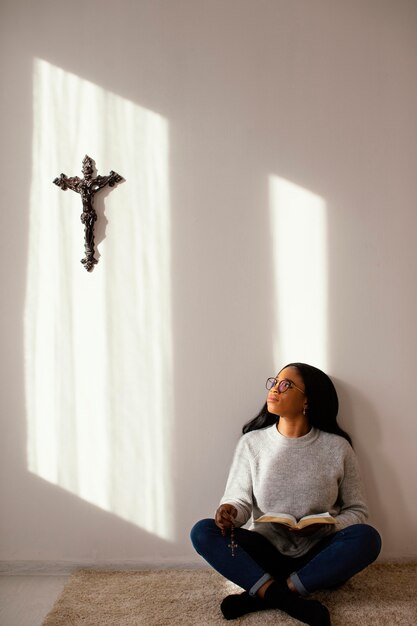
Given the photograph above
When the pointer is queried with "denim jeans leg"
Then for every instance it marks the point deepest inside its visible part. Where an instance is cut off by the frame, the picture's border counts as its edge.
(345, 554)
(241, 568)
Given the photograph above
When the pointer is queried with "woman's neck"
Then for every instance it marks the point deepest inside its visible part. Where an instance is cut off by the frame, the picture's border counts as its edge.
(293, 427)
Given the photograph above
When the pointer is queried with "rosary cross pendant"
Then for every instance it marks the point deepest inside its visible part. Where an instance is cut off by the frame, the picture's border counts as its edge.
(232, 545)
(87, 187)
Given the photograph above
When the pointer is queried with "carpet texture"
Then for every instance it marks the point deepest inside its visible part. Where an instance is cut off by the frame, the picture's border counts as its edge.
(383, 594)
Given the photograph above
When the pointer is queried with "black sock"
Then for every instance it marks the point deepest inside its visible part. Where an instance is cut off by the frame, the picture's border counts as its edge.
(310, 612)
(239, 604)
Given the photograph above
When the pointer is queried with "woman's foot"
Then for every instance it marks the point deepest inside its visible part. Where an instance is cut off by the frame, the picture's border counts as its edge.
(277, 596)
(239, 604)
(310, 612)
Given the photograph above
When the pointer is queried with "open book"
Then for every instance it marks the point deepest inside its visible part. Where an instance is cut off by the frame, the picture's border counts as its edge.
(291, 522)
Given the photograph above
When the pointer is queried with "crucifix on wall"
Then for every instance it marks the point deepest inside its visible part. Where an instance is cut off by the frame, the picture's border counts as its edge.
(87, 187)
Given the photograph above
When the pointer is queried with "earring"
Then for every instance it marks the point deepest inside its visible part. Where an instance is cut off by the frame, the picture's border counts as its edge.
(305, 411)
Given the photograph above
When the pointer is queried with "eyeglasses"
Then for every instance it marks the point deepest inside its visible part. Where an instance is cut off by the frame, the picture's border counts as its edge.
(283, 385)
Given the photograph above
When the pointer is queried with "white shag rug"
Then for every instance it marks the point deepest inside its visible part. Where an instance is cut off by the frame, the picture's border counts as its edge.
(383, 594)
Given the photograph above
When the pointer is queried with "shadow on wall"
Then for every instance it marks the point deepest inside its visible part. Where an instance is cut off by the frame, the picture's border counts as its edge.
(384, 491)
(92, 535)
(98, 347)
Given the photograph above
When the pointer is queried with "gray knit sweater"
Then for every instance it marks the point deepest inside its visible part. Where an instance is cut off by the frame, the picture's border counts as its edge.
(300, 476)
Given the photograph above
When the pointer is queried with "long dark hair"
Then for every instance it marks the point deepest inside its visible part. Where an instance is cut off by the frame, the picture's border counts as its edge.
(323, 403)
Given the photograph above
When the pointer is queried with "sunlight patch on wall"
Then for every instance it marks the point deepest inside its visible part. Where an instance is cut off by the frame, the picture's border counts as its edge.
(299, 242)
(98, 346)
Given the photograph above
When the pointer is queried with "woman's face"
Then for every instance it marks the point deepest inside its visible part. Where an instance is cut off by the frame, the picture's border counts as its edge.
(288, 403)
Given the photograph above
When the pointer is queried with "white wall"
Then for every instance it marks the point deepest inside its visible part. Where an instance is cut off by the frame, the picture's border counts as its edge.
(242, 96)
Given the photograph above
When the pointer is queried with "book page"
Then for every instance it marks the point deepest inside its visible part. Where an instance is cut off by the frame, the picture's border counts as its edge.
(278, 518)
(319, 518)
(318, 515)
(290, 520)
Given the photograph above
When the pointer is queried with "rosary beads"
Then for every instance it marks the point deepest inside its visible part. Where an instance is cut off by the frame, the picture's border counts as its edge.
(232, 545)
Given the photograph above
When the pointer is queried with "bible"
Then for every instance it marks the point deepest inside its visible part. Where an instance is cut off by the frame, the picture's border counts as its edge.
(291, 521)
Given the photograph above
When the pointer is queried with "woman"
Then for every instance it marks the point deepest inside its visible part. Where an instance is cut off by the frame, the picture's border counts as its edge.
(292, 458)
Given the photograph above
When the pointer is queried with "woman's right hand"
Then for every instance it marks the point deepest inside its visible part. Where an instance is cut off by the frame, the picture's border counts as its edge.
(225, 516)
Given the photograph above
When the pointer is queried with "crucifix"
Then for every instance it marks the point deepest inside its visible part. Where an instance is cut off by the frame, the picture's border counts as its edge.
(87, 187)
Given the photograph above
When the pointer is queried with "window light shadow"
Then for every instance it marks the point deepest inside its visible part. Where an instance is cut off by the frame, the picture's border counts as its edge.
(98, 346)
(299, 240)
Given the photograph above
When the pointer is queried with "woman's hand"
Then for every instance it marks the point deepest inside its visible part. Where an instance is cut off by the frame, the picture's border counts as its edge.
(225, 516)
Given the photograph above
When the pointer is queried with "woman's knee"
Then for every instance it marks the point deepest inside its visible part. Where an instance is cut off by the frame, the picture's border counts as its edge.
(374, 541)
(369, 538)
(201, 532)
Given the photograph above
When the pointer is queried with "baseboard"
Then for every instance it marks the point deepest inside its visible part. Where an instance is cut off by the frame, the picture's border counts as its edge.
(64, 568)
(386, 559)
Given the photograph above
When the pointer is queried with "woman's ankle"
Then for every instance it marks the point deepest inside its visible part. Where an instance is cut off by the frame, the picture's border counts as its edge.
(262, 590)
(291, 585)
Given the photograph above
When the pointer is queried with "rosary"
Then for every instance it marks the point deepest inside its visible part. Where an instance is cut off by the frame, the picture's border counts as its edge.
(232, 545)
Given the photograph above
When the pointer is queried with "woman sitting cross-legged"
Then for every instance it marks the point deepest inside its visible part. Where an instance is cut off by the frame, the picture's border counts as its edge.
(293, 458)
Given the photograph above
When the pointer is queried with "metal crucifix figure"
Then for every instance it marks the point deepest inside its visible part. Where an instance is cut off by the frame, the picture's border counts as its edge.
(87, 187)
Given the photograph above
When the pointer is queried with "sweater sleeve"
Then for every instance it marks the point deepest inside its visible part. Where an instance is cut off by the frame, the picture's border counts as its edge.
(353, 509)
(239, 484)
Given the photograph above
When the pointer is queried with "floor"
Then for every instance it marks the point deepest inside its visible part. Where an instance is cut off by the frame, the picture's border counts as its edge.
(25, 600)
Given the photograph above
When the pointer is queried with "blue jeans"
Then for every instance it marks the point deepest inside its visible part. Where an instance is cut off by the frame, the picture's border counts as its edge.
(328, 564)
